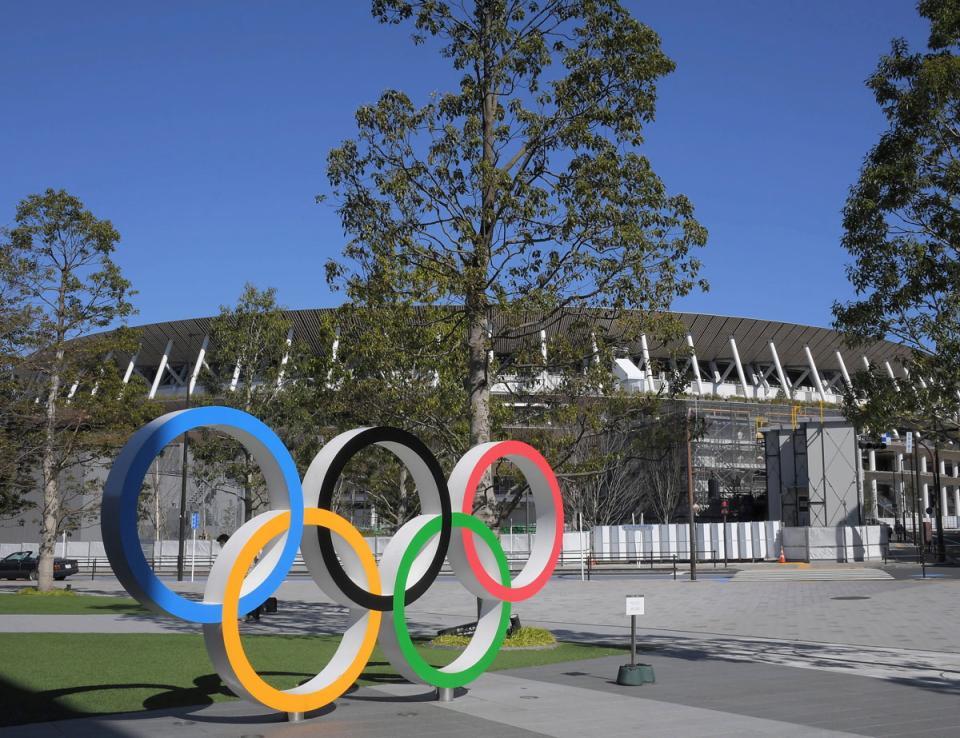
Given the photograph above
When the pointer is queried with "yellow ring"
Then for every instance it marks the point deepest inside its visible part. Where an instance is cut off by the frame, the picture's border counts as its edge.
(278, 699)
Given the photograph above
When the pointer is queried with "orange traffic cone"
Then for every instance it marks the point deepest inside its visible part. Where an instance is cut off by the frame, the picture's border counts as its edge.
(782, 559)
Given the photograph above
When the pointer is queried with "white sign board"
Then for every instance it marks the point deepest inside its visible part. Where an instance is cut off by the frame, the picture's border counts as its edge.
(909, 448)
(634, 604)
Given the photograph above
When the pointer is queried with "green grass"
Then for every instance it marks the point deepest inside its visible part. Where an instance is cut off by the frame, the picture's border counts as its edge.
(77, 604)
(52, 676)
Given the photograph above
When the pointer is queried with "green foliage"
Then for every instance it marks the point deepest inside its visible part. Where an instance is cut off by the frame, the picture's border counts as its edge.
(260, 368)
(525, 637)
(902, 228)
(65, 405)
(519, 202)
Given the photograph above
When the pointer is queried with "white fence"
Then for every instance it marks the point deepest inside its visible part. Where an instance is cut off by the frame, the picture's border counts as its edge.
(843, 543)
(715, 541)
(756, 541)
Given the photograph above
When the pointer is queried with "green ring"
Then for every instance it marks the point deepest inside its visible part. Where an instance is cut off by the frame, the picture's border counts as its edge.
(420, 667)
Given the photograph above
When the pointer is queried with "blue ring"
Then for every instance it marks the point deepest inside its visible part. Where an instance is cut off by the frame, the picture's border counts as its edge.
(122, 490)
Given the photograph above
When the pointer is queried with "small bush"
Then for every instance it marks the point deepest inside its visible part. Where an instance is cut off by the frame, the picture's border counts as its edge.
(34, 592)
(524, 638)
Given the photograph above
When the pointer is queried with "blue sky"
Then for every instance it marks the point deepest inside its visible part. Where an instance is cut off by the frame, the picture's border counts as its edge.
(201, 131)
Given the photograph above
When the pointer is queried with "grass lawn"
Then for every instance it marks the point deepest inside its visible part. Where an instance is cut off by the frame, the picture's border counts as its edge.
(52, 676)
(78, 604)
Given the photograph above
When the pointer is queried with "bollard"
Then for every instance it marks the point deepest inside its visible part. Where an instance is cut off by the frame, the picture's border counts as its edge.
(674, 567)
(294, 717)
(93, 570)
(445, 694)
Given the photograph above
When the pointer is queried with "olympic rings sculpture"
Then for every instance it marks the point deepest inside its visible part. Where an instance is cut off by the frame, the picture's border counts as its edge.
(337, 556)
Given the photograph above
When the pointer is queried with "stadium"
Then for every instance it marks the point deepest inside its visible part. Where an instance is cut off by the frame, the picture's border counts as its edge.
(740, 375)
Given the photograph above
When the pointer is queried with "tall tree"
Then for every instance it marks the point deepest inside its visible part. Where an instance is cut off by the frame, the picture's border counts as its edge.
(262, 368)
(902, 228)
(521, 194)
(68, 403)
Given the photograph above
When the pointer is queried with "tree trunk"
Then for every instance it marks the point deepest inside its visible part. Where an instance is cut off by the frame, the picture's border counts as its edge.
(51, 488)
(478, 327)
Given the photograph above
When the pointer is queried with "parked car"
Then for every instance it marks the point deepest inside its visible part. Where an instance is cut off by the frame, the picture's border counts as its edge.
(23, 565)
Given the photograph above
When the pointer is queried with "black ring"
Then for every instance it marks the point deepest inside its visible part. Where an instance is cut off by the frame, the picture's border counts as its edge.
(371, 437)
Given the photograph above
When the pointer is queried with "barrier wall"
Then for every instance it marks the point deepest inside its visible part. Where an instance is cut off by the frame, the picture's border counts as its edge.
(737, 541)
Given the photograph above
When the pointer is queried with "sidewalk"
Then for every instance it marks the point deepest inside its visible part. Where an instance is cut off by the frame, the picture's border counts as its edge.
(691, 698)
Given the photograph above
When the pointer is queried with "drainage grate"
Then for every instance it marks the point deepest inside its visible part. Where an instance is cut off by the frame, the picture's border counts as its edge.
(850, 597)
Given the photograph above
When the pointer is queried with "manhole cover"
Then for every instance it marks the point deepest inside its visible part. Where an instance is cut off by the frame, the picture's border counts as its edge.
(851, 597)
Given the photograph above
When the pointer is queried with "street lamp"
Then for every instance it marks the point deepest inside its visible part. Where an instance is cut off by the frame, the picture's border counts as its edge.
(693, 524)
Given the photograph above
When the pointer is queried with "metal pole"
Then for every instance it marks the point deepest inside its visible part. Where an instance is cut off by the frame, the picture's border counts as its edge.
(633, 640)
(693, 525)
(941, 547)
(183, 501)
(580, 542)
(182, 522)
(917, 535)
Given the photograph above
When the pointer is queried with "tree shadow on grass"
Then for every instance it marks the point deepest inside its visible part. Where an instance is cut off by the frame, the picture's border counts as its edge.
(23, 706)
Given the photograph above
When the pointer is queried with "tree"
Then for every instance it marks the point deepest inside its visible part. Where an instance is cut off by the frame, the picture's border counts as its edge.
(260, 367)
(902, 228)
(67, 404)
(521, 198)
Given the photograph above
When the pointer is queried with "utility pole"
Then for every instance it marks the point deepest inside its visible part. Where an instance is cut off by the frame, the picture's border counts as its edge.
(941, 548)
(693, 526)
(918, 534)
(183, 494)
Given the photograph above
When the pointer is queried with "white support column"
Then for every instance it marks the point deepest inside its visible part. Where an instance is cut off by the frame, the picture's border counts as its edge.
(647, 370)
(286, 357)
(843, 370)
(695, 365)
(236, 378)
(896, 385)
(781, 375)
(816, 375)
(872, 466)
(201, 356)
(943, 488)
(160, 369)
(336, 347)
(544, 375)
(129, 372)
(740, 373)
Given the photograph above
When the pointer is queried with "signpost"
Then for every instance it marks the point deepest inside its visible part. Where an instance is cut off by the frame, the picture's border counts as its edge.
(634, 674)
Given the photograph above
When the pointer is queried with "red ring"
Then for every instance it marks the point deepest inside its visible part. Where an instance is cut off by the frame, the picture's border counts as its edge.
(499, 451)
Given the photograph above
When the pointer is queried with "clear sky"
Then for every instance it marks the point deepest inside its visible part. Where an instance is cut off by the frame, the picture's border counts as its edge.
(201, 130)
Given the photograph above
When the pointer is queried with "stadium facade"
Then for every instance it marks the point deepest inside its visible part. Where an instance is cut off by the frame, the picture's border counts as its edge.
(740, 374)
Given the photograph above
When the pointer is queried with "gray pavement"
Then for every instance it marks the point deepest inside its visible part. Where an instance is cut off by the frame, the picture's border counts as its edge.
(809, 656)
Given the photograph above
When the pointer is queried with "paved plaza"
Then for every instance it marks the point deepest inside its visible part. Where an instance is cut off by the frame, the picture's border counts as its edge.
(830, 653)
